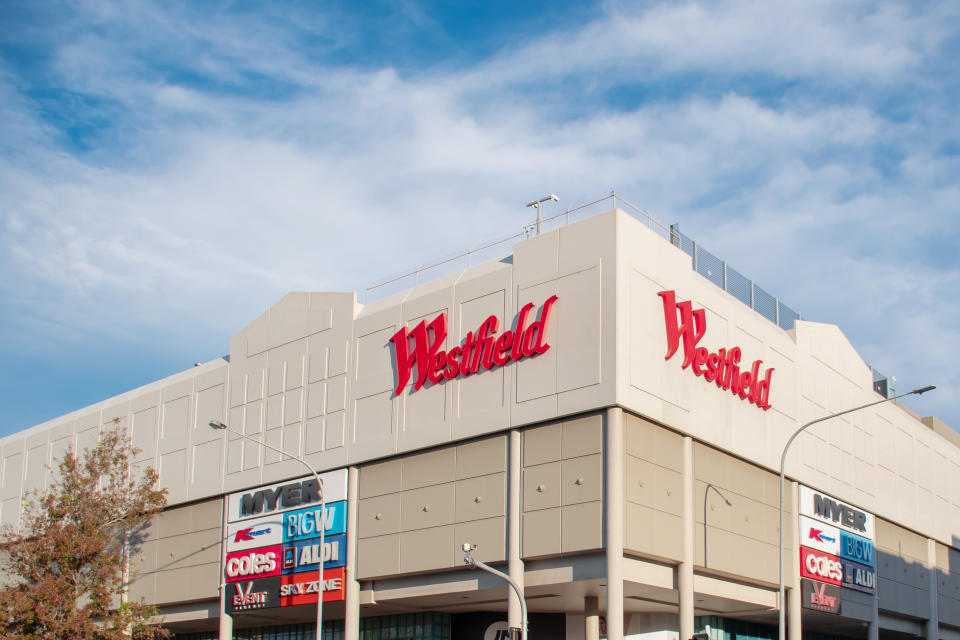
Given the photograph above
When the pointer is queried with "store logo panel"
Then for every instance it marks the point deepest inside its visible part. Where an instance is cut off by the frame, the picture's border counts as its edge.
(859, 576)
(829, 510)
(854, 547)
(253, 563)
(306, 523)
(301, 588)
(820, 596)
(304, 555)
(817, 565)
(251, 534)
(284, 496)
(820, 536)
(253, 594)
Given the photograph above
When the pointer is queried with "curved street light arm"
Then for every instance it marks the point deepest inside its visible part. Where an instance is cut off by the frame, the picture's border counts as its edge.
(783, 458)
(215, 424)
(473, 562)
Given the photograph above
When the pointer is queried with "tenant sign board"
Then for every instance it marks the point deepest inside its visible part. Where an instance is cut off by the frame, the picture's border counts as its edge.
(817, 565)
(254, 533)
(820, 596)
(829, 510)
(858, 576)
(285, 496)
(273, 551)
(249, 595)
(855, 548)
(819, 535)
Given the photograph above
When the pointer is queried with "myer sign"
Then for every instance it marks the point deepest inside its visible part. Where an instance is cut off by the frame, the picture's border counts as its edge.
(835, 513)
(285, 496)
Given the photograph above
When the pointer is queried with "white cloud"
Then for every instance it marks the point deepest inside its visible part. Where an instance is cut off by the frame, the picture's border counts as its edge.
(201, 206)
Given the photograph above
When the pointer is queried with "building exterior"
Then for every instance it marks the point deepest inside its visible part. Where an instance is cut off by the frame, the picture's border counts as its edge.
(601, 421)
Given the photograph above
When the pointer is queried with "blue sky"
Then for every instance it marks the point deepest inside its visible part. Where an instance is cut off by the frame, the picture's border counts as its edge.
(168, 170)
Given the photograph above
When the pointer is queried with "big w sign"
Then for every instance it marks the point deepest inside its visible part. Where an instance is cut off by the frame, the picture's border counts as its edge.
(483, 348)
(686, 325)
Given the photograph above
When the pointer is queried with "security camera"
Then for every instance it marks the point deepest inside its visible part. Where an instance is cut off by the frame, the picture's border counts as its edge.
(467, 547)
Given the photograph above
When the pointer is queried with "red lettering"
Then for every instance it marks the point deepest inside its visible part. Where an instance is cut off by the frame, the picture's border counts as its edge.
(691, 326)
(466, 366)
(699, 359)
(686, 325)
(486, 341)
(483, 349)
(501, 349)
(423, 352)
(453, 367)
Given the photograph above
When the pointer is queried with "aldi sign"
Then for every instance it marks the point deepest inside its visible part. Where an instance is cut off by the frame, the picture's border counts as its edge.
(305, 554)
(860, 577)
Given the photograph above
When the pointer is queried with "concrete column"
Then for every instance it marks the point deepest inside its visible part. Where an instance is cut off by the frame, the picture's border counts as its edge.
(933, 622)
(613, 505)
(591, 618)
(351, 616)
(873, 627)
(514, 561)
(685, 570)
(226, 621)
(794, 595)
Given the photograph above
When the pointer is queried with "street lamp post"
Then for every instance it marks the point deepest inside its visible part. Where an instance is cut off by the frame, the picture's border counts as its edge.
(783, 458)
(214, 424)
(538, 203)
(706, 492)
(474, 563)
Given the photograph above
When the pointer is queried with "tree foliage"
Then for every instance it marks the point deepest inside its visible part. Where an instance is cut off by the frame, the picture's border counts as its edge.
(65, 565)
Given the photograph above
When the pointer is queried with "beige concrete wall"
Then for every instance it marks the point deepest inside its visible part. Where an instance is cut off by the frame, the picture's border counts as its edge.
(881, 459)
(740, 539)
(903, 582)
(416, 510)
(562, 492)
(179, 559)
(653, 490)
(314, 375)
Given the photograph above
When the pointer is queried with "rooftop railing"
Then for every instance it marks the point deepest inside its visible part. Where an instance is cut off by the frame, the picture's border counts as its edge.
(705, 263)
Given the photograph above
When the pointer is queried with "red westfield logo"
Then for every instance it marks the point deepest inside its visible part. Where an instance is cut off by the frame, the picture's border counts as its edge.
(720, 367)
(480, 349)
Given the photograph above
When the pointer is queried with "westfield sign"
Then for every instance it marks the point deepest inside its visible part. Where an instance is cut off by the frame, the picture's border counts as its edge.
(687, 325)
(483, 348)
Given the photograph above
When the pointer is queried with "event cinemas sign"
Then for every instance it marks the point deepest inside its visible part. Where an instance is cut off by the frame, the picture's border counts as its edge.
(687, 326)
(483, 348)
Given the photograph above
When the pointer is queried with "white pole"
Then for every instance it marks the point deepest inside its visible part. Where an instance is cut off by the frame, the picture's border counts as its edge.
(323, 513)
(783, 458)
(468, 559)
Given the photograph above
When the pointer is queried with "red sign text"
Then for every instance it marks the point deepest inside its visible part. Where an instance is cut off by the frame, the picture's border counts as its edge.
(480, 349)
(687, 325)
